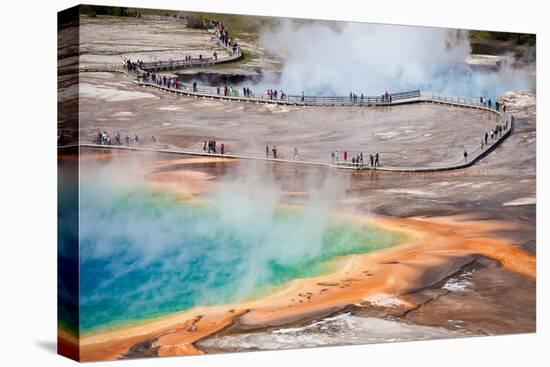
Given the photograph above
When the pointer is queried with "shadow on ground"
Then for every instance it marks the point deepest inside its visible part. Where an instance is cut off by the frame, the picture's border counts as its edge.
(49, 346)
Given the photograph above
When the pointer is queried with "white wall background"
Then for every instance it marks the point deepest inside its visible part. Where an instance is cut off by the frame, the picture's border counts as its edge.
(28, 181)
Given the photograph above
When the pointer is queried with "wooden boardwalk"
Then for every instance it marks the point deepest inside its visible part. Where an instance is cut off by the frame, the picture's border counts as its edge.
(213, 93)
(401, 98)
(154, 66)
(473, 157)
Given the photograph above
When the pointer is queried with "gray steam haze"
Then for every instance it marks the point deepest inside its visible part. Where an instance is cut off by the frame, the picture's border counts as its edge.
(339, 58)
(144, 253)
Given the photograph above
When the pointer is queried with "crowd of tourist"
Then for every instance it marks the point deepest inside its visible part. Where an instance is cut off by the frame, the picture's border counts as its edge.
(223, 37)
(160, 80)
(356, 160)
(355, 98)
(133, 66)
(230, 91)
(496, 133)
(103, 138)
(211, 148)
(274, 94)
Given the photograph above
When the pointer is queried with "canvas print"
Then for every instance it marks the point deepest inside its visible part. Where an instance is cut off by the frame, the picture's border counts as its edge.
(233, 183)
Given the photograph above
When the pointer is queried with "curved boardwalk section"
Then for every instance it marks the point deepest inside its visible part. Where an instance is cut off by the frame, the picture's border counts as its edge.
(235, 54)
(146, 75)
(472, 158)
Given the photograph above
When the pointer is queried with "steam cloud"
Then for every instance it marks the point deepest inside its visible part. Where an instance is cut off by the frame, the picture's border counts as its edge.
(142, 253)
(373, 58)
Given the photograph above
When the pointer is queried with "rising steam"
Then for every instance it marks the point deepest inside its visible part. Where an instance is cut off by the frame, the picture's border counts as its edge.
(323, 58)
(144, 253)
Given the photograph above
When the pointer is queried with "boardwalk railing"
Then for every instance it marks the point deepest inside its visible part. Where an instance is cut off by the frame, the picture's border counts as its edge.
(235, 54)
(255, 96)
(473, 157)
(350, 100)
(414, 96)
(452, 99)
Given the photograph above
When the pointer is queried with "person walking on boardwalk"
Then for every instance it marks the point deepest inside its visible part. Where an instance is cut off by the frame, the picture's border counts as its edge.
(345, 155)
(465, 156)
(336, 155)
(274, 151)
(267, 151)
(153, 140)
(377, 160)
(222, 148)
(126, 140)
(371, 160)
(303, 97)
(136, 139)
(332, 156)
(482, 144)
(295, 153)
(486, 137)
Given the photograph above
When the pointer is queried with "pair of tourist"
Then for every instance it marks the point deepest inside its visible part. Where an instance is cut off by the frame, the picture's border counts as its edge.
(274, 151)
(357, 160)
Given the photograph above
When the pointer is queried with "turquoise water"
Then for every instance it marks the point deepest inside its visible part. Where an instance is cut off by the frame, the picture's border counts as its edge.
(143, 254)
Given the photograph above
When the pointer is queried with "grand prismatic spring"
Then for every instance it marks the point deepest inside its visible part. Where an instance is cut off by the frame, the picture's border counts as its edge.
(227, 184)
(143, 254)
